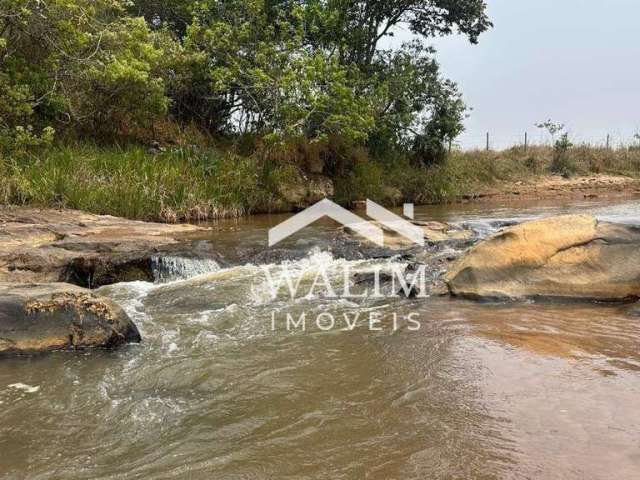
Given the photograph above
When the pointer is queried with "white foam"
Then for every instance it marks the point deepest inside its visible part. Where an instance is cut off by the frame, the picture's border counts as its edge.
(24, 387)
(169, 268)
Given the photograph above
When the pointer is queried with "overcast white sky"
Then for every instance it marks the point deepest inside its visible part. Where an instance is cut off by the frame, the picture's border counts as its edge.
(574, 61)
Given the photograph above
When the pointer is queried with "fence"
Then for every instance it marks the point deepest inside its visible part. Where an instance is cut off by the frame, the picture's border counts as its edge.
(537, 138)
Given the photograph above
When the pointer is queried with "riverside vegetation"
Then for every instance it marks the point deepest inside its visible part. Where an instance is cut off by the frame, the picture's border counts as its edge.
(190, 110)
(192, 184)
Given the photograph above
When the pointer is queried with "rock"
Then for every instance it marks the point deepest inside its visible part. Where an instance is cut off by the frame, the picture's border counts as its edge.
(434, 233)
(304, 193)
(43, 317)
(369, 278)
(571, 256)
(634, 310)
(80, 248)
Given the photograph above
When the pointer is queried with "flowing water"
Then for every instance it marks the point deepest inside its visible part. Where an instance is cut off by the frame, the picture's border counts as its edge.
(221, 389)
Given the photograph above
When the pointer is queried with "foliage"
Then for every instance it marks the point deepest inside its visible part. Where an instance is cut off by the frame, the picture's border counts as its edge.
(551, 127)
(280, 86)
(79, 64)
(178, 185)
(279, 70)
(186, 183)
(561, 163)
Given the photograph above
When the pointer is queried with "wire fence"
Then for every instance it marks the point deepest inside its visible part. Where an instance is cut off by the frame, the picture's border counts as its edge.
(537, 138)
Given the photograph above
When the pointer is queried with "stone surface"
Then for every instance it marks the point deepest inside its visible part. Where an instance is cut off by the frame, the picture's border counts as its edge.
(435, 233)
(304, 194)
(76, 247)
(571, 256)
(37, 318)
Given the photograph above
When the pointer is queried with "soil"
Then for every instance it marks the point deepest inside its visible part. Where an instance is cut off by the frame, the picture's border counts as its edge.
(555, 186)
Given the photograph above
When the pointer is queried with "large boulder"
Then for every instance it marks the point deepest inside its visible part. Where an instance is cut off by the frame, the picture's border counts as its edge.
(571, 256)
(46, 245)
(42, 317)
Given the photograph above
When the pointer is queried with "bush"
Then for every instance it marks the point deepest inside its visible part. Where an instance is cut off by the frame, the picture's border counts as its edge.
(562, 163)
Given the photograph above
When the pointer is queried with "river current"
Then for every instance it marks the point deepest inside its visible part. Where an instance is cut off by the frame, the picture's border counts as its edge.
(221, 388)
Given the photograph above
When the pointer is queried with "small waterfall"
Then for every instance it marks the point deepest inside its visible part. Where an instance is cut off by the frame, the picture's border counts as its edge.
(170, 268)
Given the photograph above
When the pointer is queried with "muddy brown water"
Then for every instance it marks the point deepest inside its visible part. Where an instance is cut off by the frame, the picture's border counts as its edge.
(521, 390)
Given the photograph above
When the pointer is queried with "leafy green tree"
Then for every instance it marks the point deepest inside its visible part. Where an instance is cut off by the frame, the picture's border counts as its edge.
(274, 69)
(441, 125)
(312, 68)
(356, 27)
(175, 15)
(79, 64)
(270, 82)
(561, 163)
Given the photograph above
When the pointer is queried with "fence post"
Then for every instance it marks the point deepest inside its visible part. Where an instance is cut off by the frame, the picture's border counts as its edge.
(608, 140)
(487, 141)
(526, 141)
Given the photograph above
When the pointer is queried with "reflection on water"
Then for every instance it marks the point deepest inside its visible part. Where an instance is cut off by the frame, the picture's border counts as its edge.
(480, 391)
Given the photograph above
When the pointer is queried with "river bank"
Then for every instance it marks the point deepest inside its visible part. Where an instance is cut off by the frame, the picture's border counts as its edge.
(192, 184)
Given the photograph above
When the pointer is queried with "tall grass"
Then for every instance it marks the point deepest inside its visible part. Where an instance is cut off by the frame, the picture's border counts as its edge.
(175, 186)
(192, 184)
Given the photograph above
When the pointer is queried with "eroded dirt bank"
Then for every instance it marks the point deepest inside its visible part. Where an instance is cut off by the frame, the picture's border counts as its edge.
(556, 186)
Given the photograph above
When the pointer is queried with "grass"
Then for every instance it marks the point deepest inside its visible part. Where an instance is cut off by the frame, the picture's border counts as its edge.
(467, 171)
(191, 184)
(182, 185)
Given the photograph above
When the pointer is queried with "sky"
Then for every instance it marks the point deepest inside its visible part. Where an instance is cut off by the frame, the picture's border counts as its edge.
(576, 62)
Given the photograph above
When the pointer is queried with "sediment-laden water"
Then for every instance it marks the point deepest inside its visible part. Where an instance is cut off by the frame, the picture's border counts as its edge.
(221, 388)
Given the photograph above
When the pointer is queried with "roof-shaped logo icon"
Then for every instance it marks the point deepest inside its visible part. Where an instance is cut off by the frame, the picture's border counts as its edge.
(369, 230)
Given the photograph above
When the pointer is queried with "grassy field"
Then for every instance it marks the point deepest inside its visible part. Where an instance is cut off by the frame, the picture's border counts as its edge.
(189, 184)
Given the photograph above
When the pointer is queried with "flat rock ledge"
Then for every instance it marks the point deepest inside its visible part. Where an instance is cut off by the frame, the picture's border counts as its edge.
(565, 257)
(47, 245)
(36, 318)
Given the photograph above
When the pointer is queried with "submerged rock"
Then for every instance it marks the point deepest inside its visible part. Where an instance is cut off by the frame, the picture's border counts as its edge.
(571, 256)
(43, 317)
(434, 234)
(634, 310)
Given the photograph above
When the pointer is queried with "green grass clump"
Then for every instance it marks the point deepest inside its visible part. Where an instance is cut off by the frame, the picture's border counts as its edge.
(175, 186)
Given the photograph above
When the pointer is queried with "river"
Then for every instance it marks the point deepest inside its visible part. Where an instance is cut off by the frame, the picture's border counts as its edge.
(221, 388)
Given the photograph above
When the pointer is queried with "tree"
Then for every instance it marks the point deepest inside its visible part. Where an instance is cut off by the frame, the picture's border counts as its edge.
(79, 64)
(355, 27)
(275, 69)
(314, 67)
(561, 163)
(441, 127)
(270, 82)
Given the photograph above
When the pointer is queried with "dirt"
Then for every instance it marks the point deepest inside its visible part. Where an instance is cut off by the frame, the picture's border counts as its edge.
(555, 186)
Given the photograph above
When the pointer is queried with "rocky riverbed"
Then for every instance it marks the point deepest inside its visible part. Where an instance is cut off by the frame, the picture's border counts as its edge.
(50, 259)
